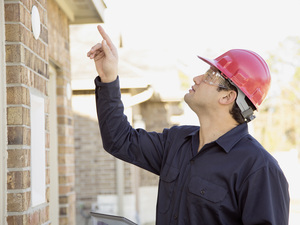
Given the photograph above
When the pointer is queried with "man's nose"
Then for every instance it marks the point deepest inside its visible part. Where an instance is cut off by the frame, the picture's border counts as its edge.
(198, 79)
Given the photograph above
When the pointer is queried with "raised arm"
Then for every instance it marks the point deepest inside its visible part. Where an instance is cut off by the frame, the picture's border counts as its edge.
(118, 136)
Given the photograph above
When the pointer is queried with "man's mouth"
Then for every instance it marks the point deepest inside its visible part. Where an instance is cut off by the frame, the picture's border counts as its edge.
(191, 89)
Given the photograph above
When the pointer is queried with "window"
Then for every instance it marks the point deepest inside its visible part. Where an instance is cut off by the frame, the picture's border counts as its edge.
(38, 173)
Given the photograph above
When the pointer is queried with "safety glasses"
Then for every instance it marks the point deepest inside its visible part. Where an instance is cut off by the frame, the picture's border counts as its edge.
(213, 77)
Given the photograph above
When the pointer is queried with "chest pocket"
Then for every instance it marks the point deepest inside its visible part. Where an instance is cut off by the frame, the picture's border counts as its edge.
(166, 188)
(203, 189)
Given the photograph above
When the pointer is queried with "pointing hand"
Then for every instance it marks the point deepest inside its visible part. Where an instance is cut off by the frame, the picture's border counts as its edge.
(105, 55)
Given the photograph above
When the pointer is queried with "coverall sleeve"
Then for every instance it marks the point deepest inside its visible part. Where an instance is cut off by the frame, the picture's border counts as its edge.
(136, 146)
(264, 198)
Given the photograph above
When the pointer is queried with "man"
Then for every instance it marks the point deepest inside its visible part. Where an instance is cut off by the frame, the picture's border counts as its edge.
(213, 174)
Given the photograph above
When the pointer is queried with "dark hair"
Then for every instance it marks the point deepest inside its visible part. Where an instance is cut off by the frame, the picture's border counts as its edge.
(235, 110)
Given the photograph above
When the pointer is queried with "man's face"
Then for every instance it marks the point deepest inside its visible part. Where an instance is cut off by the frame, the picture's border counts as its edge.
(203, 94)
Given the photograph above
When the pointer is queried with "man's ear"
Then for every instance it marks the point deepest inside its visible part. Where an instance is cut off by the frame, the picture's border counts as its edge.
(228, 97)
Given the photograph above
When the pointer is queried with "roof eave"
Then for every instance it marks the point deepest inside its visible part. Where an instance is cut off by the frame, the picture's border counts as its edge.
(92, 14)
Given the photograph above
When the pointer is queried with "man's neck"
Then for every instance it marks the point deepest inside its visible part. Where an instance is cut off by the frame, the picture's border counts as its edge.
(213, 128)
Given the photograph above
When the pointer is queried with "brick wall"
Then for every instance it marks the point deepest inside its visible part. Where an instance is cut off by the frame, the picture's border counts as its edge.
(26, 61)
(59, 54)
(95, 168)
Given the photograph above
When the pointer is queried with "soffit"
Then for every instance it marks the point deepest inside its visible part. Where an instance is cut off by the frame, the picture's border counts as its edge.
(83, 11)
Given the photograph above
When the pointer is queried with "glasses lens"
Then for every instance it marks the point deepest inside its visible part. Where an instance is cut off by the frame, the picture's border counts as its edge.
(214, 78)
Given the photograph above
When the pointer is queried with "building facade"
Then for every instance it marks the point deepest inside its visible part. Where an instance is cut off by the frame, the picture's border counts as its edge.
(37, 123)
(52, 163)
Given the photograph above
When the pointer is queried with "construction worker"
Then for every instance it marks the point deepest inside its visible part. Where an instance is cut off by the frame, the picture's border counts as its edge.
(216, 173)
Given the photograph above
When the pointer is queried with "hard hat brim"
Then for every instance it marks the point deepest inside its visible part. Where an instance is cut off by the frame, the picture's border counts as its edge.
(213, 63)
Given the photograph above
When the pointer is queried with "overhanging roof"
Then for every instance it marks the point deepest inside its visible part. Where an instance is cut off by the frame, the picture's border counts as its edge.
(83, 11)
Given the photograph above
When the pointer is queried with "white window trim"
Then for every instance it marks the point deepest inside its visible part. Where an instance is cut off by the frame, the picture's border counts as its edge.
(38, 150)
(54, 186)
(3, 126)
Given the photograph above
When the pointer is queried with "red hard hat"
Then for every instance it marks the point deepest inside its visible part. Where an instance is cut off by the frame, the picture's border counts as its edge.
(247, 70)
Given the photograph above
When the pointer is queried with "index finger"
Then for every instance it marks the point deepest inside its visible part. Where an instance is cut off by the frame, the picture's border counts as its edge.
(104, 35)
